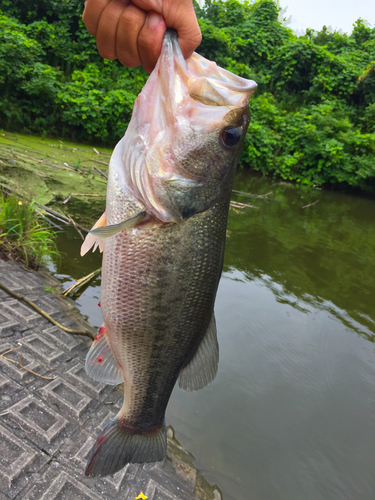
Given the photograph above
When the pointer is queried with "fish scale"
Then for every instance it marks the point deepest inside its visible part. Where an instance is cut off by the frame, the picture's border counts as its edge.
(163, 234)
(183, 326)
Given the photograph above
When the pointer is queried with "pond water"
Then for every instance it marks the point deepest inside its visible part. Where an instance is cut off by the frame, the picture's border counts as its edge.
(291, 414)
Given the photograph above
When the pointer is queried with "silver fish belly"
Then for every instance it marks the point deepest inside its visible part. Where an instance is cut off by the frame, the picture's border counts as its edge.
(163, 235)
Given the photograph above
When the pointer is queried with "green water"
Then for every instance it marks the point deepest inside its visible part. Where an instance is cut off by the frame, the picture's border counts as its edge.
(291, 414)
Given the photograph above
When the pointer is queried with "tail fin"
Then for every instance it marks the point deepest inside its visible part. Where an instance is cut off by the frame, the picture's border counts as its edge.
(117, 446)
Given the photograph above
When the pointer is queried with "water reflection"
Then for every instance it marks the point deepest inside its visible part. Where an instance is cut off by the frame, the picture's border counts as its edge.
(72, 267)
(324, 253)
(291, 413)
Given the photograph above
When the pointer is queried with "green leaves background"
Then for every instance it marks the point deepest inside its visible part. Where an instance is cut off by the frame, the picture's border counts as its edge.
(312, 117)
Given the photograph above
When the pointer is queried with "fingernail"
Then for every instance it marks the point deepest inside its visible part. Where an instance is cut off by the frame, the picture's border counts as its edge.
(153, 19)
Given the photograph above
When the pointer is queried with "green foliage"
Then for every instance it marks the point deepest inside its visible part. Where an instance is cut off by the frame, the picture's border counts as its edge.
(24, 234)
(313, 115)
(318, 145)
(216, 43)
(249, 31)
(304, 68)
(96, 105)
(93, 103)
(366, 86)
(27, 86)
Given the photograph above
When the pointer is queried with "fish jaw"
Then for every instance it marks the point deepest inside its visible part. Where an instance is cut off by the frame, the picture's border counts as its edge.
(174, 141)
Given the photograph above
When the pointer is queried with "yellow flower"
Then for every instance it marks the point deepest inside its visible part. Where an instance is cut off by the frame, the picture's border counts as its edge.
(141, 496)
(20, 202)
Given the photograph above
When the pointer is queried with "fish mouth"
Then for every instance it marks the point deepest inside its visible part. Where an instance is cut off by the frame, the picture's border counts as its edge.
(181, 101)
(207, 82)
(204, 81)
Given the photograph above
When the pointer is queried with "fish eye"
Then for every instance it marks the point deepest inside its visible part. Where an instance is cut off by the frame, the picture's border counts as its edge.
(231, 136)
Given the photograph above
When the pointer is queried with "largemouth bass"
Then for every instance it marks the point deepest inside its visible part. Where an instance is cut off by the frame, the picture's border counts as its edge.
(163, 234)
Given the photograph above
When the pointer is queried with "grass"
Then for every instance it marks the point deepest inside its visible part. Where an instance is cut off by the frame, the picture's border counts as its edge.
(25, 235)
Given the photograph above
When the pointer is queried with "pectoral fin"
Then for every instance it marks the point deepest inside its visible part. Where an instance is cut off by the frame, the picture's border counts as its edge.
(202, 368)
(93, 241)
(108, 231)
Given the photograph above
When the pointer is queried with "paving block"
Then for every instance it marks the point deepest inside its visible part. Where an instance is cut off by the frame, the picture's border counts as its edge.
(15, 281)
(163, 474)
(79, 378)
(18, 461)
(3, 381)
(155, 491)
(21, 312)
(96, 421)
(14, 457)
(14, 370)
(48, 427)
(58, 337)
(40, 424)
(10, 392)
(42, 348)
(61, 487)
(4, 296)
(66, 395)
(7, 323)
(46, 303)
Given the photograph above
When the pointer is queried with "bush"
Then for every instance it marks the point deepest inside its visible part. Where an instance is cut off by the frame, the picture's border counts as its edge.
(318, 145)
(312, 116)
(24, 234)
(96, 105)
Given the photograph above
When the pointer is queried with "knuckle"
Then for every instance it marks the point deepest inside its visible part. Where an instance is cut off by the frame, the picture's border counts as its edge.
(106, 52)
(92, 30)
(146, 42)
(195, 35)
(130, 62)
(89, 24)
(198, 38)
(133, 19)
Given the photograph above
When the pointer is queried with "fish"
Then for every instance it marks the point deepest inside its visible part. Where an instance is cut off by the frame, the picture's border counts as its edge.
(162, 236)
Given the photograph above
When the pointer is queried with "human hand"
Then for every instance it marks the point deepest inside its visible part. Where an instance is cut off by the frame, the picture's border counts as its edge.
(132, 30)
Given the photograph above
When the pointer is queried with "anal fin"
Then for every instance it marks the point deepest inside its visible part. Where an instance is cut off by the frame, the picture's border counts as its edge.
(101, 364)
(202, 369)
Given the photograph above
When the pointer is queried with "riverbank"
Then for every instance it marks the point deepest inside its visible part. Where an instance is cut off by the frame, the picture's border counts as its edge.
(51, 412)
(69, 178)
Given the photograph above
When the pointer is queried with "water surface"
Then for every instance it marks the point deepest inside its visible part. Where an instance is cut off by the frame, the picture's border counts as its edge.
(291, 414)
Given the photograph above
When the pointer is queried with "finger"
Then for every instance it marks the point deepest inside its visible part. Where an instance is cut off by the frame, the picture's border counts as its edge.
(189, 39)
(182, 18)
(179, 15)
(130, 24)
(107, 28)
(150, 40)
(91, 14)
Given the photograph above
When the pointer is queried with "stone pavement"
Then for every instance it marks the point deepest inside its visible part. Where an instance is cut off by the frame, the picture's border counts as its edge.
(48, 425)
